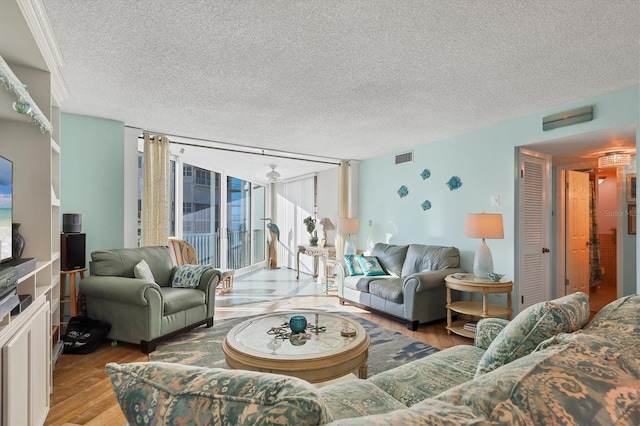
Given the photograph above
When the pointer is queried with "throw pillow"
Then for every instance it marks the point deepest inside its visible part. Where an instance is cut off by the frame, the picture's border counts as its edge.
(142, 271)
(188, 276)
(532, 326)
(353, 265)
(370, 265)
(167, 393)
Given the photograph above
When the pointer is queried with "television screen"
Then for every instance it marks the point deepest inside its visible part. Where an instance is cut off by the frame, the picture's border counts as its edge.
(6, 204)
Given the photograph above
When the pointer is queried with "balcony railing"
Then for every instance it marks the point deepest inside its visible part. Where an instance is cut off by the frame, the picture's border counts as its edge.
(239, 245)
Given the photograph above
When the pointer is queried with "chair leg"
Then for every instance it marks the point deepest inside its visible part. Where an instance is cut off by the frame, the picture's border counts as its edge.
(209, 322)
(413, 325)
(148, 347)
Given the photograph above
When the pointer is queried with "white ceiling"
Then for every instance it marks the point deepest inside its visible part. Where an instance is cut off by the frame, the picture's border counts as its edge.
(340, 79)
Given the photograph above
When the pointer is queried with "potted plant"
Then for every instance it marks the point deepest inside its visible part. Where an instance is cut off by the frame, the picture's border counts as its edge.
(310, 223)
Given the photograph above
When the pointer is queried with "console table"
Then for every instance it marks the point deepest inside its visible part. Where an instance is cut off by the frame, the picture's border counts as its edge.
(328, 252)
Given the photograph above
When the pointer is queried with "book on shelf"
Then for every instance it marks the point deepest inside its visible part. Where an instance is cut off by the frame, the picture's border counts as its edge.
(469, 326)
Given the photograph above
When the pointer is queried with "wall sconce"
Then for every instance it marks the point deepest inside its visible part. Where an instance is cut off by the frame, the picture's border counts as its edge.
(483, 225)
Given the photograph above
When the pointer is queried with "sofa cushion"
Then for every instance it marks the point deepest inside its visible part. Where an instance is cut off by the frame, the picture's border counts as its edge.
(427, 377)
(121, 262)
(353, 265)
(388, 289)
(356, 398)
(188, 276)
(142, 271)
(573, 379)
(619, 321)
(165, 393)
(391, 257)
(422, 258)
(534, 325)
(370, 265)
(179, 299)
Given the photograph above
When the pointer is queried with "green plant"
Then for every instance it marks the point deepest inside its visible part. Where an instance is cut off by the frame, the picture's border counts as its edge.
(310, 223)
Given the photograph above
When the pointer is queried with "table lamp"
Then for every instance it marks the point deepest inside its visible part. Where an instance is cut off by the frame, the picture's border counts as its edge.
(348, 226)
(325, 225)
(483, 225)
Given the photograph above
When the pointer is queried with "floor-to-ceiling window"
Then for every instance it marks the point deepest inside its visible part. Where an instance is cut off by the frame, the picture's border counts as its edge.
(258, 241)
(238, 223)
(201, 212)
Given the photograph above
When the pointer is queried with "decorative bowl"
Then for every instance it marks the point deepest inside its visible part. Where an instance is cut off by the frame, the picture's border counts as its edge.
(494, 278)
(298, 324)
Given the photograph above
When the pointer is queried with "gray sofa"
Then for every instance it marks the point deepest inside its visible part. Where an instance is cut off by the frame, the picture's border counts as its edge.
(140, 311)
(414, 289)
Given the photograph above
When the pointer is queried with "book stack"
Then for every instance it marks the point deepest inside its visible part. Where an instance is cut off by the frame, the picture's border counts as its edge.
(470, 326)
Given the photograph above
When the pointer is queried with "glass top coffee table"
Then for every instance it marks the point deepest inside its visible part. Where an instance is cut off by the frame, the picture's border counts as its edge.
(333, 346)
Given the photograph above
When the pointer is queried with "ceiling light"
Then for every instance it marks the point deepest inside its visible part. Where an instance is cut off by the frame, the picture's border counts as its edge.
(614, 159)
(273, 176)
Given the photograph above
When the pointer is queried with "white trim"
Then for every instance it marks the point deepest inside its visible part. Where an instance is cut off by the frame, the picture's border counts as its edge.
(40, 27)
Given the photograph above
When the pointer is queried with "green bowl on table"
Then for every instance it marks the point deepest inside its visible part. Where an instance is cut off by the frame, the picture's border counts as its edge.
(494, 278)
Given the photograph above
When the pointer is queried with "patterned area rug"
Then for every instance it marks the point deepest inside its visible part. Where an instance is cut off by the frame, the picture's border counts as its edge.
(203, 346)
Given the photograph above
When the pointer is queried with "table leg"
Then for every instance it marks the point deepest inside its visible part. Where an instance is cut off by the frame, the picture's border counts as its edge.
(298, 265)
(509, 306)
(363, 370)
(73, 306)
(485, 304)
(315, 266)
(448, 310)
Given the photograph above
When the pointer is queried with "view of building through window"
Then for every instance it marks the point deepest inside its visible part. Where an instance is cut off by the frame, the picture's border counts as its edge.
(202, 207)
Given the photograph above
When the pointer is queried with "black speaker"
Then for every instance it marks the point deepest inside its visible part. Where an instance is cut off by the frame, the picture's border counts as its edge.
(72, 251)
(71, 223)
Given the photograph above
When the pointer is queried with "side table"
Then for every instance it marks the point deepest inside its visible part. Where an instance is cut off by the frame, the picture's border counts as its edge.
(72, 297)
(471, 284)
(328, 252)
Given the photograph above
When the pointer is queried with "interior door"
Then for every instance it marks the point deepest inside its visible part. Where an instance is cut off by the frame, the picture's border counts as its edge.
(534, 227)
(577, 226)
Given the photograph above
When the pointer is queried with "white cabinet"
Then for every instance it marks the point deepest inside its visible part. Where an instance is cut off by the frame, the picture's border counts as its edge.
(25, 366)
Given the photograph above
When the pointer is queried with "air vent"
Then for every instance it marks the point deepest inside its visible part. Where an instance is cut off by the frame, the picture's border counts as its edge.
(404, 158)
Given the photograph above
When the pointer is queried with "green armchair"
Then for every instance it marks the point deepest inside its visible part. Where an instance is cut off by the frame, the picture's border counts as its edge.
(140, 311)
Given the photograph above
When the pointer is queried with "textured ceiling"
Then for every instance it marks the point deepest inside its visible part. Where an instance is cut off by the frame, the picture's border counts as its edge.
(341, 79)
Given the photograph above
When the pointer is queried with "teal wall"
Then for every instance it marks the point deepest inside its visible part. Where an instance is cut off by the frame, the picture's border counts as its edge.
(485, 162)
(92, 178)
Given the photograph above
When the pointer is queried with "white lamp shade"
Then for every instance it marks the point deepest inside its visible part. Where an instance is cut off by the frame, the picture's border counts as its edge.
(347, 225)
(484, 225)
(326, 224)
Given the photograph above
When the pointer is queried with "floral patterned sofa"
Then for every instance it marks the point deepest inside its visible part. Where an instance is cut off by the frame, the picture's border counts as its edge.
(548, 366)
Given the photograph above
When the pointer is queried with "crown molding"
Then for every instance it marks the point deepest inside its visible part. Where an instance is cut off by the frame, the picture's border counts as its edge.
(40, 27)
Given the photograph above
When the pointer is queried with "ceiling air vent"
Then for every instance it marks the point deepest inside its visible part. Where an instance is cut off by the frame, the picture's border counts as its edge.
(404, 158)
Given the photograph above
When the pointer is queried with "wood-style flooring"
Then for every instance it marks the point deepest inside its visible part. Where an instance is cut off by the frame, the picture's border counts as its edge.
(82, 392)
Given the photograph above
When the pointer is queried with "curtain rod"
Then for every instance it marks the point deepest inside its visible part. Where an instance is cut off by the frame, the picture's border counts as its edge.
(282, 154)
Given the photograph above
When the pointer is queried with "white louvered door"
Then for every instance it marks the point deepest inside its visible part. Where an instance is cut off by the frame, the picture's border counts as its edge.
(534, 225)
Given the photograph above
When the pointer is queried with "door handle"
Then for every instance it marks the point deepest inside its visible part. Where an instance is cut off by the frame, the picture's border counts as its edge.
(588, 243)
(545, 250)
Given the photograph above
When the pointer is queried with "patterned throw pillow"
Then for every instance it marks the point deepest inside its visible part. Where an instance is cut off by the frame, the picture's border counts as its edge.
(142, 271)
(532, 326)
(188, 276)
(370, 265)
(353, 265)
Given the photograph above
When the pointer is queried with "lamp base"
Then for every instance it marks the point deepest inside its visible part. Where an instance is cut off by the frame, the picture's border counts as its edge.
(349, 246)
(483, 262)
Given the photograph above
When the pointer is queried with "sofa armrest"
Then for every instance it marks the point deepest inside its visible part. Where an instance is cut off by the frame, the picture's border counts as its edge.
(208, 283)
(422, 281)
(487, 329)
(131, 291)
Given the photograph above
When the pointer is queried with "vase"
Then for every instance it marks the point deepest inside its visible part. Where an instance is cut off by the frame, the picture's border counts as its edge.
(313, 241)
(297, 324)
(17, 241)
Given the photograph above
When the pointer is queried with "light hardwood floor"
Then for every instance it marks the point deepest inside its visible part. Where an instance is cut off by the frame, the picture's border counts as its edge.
(82, 393)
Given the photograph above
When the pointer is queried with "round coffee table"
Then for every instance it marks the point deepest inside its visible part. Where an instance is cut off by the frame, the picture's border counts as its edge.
(325, 355)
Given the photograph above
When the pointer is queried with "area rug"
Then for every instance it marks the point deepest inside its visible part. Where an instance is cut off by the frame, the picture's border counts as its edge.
(203, 346)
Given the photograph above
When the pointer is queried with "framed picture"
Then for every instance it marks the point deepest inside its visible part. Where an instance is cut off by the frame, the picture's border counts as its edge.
(631, 217)
(631, 188)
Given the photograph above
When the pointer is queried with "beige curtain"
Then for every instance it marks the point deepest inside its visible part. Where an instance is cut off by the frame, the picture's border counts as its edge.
(155, 191)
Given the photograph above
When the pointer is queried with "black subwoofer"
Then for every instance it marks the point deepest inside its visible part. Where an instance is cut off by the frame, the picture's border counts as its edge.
(72, 251)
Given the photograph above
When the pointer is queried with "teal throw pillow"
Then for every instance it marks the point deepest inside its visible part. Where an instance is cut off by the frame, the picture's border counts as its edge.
(188, 276)
(353, 265)
(370, 265)
(142, 271)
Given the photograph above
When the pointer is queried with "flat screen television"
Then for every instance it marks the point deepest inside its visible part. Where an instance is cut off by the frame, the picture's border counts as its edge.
(6, 208)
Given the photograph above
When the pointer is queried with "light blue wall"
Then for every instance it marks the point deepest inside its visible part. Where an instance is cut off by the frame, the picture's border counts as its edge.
(92, 178)
(485, 162)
